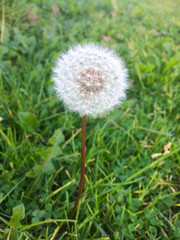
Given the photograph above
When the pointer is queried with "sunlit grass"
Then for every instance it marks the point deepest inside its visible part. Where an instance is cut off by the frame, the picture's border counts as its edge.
(129, 192)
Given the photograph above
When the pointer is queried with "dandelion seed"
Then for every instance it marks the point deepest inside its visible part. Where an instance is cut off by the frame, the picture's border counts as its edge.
(88, 69)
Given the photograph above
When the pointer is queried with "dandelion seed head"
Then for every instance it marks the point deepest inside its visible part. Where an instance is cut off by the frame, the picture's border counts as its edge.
(90, 79)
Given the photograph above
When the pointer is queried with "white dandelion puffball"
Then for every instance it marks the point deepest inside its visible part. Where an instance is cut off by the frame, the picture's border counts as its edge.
(90, 79)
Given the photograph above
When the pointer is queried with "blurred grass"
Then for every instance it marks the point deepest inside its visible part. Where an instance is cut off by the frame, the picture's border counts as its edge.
(127, 194)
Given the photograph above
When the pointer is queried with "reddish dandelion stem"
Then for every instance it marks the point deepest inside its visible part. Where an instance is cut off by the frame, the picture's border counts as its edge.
(83, 157)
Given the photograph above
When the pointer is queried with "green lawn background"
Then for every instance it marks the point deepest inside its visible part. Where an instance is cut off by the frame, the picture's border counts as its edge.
(129, 192)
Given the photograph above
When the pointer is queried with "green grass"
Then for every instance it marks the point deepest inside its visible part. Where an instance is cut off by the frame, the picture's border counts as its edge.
(127, 193)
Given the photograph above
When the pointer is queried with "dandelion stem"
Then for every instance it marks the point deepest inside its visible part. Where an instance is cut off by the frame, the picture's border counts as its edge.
(83, 157)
